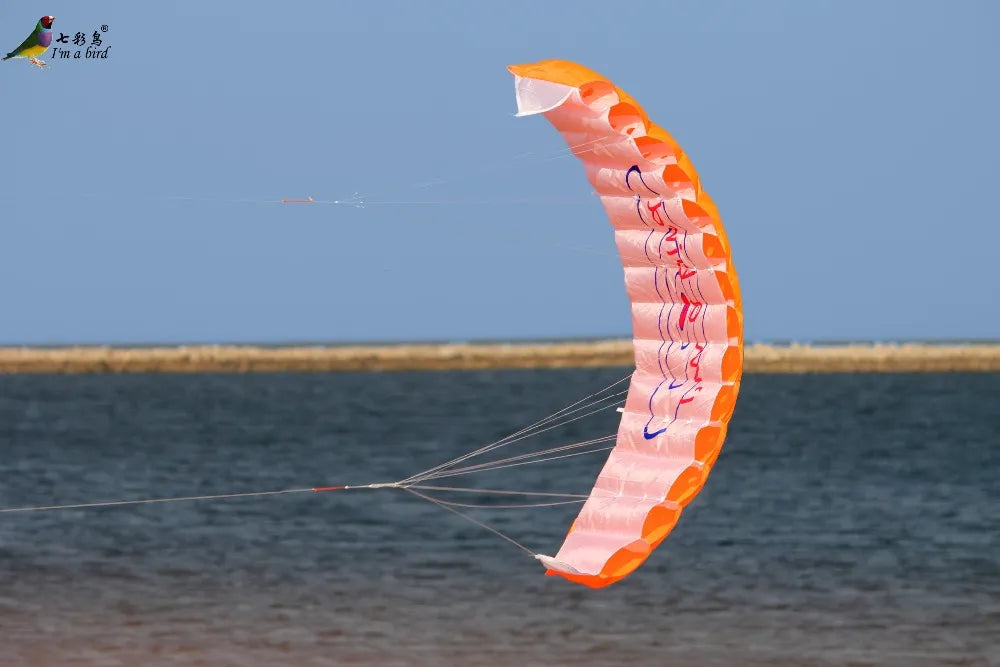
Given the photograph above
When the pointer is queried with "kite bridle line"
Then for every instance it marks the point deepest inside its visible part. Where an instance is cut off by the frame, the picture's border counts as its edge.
(415, 484)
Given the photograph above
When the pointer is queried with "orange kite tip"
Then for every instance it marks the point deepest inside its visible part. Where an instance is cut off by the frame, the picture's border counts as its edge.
(554, 70)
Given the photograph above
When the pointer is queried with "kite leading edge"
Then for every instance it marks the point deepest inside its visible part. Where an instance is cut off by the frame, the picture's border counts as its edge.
(687, 319)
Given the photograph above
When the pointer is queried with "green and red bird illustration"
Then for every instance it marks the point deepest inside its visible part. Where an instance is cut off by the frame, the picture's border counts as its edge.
(36, 44)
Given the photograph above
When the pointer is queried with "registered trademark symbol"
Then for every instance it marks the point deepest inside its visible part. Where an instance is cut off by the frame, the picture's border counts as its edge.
(104, 28)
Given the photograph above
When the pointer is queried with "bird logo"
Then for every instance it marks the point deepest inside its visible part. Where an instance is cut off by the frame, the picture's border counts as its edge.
(36, 43)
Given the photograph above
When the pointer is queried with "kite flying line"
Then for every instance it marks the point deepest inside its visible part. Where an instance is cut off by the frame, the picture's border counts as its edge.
(606, 398)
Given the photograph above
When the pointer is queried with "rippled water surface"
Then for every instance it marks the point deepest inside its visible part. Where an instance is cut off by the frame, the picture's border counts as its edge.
(851, 519)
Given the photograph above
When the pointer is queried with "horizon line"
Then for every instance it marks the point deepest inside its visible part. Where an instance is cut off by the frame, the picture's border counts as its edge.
(306, 343)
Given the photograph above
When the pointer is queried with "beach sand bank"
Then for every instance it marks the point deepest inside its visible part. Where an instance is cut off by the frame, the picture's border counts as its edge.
(759, 358)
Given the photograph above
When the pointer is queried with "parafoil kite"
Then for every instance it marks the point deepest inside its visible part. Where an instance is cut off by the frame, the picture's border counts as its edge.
(687, 323)
(687, 319)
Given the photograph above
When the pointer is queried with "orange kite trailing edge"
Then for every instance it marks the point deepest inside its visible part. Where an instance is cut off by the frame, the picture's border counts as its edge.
(687, 319)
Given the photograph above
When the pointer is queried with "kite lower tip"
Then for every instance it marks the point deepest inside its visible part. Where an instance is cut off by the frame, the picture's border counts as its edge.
(551, 563)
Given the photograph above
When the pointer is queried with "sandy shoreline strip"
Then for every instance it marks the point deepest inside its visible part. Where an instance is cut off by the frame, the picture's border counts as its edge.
(759, 358)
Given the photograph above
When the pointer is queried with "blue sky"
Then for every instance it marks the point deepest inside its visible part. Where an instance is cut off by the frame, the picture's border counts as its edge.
(851, 147)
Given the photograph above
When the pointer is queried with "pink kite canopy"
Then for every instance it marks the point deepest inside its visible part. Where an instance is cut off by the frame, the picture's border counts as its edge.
(687, 319)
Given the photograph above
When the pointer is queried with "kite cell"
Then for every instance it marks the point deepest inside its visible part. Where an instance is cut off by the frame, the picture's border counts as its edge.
(687, 319)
